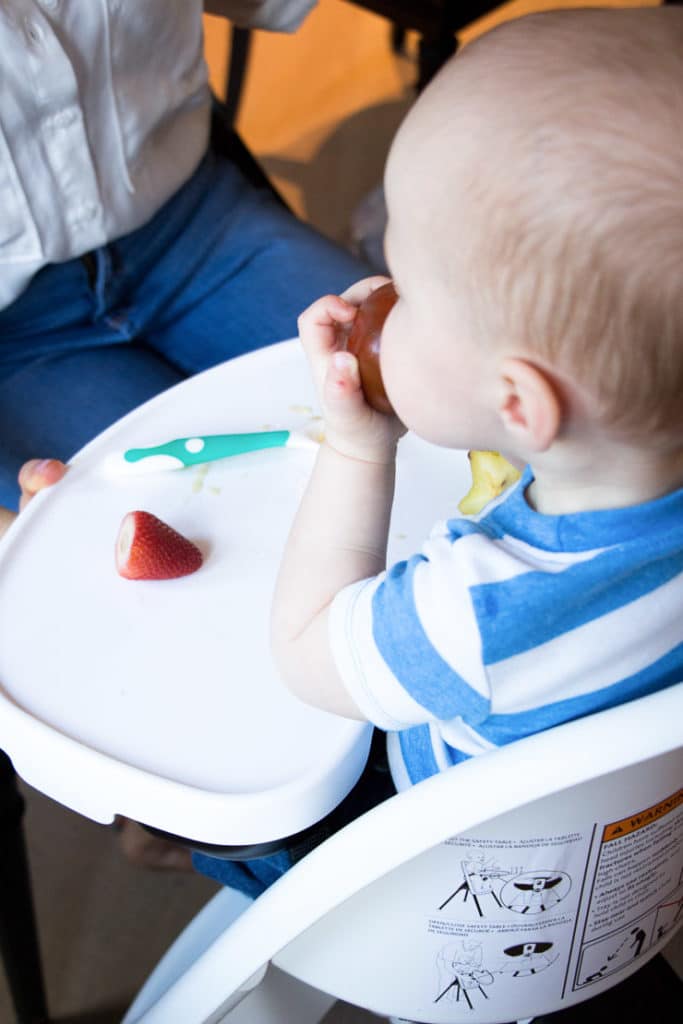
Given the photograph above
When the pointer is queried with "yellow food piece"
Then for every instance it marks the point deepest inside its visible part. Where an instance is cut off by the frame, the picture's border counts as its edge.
(491, 474)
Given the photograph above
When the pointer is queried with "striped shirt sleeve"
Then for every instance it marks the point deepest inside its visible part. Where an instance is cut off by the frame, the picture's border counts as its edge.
(407, 643)
(515, 621)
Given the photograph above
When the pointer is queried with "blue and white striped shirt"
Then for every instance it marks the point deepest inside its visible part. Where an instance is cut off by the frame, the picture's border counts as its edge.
(511, 622)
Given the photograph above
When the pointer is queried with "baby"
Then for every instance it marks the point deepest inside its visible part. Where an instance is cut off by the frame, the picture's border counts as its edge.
(535, 238)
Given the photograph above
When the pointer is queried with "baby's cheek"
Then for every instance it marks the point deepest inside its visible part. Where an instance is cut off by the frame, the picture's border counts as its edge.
(399, 380)
(386, 368)
(391, 351)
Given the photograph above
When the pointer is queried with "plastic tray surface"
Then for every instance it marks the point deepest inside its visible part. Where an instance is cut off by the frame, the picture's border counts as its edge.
(159, 700)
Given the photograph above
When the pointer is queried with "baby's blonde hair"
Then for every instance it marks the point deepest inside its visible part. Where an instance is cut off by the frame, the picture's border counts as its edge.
(581, 262)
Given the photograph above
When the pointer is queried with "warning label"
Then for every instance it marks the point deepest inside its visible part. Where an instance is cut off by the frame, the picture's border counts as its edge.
(637, 821)
(554, 911)
(637, 892)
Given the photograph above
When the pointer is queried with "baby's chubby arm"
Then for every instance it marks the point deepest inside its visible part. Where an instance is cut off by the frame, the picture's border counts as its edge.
(340, 531)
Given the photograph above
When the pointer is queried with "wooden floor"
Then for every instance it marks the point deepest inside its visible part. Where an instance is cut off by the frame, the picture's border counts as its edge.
(320, 109)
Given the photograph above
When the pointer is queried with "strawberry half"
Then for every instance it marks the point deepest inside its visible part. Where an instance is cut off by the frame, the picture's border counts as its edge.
(149, 549)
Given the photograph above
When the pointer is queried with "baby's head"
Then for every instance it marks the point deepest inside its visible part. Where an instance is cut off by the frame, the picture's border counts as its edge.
(535, 196)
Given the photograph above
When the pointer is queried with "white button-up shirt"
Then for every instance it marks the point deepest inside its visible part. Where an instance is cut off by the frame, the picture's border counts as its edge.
(104, 113)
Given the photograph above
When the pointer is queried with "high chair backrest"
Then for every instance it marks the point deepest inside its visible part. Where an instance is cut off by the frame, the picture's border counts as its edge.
(515, 884)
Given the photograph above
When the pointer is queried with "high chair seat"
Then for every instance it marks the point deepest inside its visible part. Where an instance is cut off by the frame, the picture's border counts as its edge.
(523, 881)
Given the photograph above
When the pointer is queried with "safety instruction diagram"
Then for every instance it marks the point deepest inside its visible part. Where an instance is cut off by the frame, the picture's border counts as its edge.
(509, 915)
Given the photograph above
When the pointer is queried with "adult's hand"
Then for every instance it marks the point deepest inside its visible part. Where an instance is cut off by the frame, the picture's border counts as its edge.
(272, 15)
(34, 475)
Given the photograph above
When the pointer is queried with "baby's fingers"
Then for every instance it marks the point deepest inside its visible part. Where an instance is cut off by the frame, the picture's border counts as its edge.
(319, 323)
(36, 474)
(342, 387)
(322, 328)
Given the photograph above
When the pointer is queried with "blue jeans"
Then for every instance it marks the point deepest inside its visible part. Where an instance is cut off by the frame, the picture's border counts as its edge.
(221, 269)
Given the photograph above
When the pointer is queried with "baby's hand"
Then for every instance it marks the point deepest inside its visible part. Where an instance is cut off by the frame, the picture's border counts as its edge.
(352, 427)
(35, 475)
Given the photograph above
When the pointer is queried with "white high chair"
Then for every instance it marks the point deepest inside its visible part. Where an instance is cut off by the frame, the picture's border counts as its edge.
(572, 839)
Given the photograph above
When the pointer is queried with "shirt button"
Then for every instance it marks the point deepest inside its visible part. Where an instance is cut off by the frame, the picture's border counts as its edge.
(63, 118)
(83, 215)
(49, 5)
(34, 32)
(89, 211)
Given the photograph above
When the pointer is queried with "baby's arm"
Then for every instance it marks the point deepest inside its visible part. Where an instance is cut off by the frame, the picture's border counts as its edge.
(340, 532)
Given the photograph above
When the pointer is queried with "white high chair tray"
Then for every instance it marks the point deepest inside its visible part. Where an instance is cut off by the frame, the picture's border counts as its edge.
(159, 700)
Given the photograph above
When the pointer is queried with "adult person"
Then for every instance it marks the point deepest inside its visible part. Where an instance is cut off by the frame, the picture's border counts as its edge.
(132, 254)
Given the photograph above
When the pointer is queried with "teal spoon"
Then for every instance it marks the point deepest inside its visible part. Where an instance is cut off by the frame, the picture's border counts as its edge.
(192, 451)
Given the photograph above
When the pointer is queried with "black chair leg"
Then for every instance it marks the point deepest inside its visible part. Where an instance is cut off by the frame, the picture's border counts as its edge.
(18, 933)
(237, 71)
(433, 52)
(398, 39)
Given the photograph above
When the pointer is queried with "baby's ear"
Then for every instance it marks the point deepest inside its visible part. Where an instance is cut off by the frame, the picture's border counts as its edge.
(530, 407)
